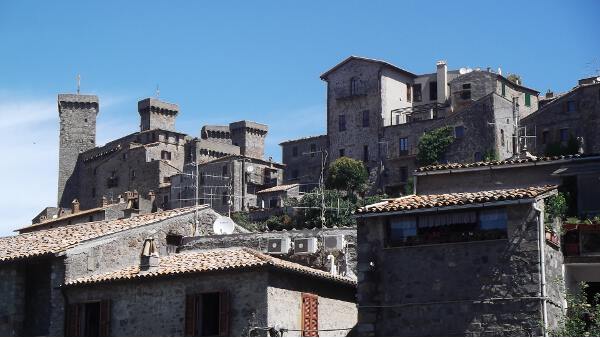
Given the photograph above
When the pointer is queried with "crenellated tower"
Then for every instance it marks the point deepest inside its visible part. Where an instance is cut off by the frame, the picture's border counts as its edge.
(77, 115)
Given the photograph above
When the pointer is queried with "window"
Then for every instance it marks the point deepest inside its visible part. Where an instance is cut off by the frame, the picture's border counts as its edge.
(273, 203)
(313, 149)
(408, 93)
(295, 151)
(503, 89)
(365, 153)
(433, 91)
(466, 91)
(545, 135)
(403, 146)
(310, 315)
(113, 180)
(457, 226)
(173, 242)
(165, 155)
(403, 171)
(570, 106)
(295, 174)
(477, 157)
(459, 131)
(124, 156)
(207, 314)
(365, 118)
(224, 170)
(166, 179)
(342, 152)
(90, 319)
(527, 100)
(342, 123)
(564, 134)
(502, 137)
(132, 174)
(417, 92)
(354, 86)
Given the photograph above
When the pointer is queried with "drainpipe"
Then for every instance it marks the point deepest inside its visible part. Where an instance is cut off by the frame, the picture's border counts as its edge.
(541, 245)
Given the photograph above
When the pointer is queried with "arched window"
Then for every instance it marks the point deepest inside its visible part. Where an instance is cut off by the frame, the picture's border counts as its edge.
(354, 86)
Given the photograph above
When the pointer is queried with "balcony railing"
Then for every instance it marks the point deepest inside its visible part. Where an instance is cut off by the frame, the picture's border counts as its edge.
(422, 112)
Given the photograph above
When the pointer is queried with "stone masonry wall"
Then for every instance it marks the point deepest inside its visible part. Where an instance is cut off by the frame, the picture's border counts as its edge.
(12, 297)
(474, 288)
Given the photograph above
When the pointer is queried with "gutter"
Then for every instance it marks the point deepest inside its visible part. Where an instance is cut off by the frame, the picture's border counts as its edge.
(541, 245)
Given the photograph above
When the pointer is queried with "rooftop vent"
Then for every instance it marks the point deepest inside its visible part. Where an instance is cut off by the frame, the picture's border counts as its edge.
(149, 258)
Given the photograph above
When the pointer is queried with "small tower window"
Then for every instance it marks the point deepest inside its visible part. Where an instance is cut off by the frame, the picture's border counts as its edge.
(354, 86)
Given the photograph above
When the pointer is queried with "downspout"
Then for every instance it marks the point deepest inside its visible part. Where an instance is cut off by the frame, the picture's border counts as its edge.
(541, 245)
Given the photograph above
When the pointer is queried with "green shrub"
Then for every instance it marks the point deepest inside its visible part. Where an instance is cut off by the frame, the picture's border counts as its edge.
(433, 144)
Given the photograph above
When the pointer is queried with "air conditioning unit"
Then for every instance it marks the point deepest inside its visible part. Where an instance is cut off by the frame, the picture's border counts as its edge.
(334, 243)
(305, 246)
(279, 246)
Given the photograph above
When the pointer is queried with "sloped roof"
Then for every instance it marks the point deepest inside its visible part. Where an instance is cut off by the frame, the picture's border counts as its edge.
(224, 259)
(353, 57)
(527, 160)
(276, 188)
(52, 241)
(414, 202)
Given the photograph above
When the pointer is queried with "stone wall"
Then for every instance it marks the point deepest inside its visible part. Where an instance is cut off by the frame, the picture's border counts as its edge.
(473, 288)
(156, 307)
(12, 297)
(302, 166)
(259, 241)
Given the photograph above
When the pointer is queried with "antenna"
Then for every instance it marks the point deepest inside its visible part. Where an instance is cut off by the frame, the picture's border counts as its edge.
(78, 83)
(157, 91)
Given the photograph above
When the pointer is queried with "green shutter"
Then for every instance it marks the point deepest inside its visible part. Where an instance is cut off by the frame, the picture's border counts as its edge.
(503, 89)
(528, 100)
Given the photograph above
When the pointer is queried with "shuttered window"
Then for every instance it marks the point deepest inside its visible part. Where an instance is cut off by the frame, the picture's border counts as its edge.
(310, 315)
(207, 314)
(527, 100)
(88, 319)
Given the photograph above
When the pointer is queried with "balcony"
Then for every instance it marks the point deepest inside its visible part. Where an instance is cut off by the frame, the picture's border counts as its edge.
(422, 112)
(582, 242)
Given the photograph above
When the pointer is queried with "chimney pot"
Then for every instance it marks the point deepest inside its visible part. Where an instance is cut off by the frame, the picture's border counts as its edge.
(75, 206)
(149, 259)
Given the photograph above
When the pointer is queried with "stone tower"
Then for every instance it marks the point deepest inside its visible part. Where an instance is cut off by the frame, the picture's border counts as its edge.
(250, 137)
(156, 114)
(77, 134)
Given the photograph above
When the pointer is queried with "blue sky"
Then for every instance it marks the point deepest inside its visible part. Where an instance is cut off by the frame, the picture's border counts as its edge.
(261, 60)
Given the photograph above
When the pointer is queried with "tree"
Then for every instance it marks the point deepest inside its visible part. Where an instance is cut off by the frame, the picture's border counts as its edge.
(582, 318)
(514, 78)
(433, 144)
(348, 175)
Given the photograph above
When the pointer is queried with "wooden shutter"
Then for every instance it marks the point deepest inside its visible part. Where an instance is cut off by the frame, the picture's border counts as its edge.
(310, 315)
(190, 315)
(104, 329)
(72, 320)
(224, 314)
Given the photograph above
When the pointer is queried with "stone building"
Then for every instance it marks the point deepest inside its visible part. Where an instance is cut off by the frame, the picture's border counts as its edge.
(473, 263)
(227, 184)
(126, 277)
(143, 161)
(571, 116)
(376, 112)
(304, 160)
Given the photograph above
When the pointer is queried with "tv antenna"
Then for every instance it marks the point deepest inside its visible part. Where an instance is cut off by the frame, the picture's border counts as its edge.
(78, 83)
(157, 91)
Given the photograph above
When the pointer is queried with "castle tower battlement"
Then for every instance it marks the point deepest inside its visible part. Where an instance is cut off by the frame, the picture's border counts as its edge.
(77, 115)
(250, 137)
(157, 114)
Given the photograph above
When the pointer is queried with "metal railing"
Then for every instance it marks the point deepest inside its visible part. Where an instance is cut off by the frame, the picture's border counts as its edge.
(422, 112)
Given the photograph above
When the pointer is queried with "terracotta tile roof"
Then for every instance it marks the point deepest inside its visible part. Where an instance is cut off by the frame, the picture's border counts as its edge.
(51, 241)
(208, 261)
(450, 166)
(284, 187)
(413, 202)
(302, 139)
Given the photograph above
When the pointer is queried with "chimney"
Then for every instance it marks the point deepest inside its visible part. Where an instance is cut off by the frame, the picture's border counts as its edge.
(442, 81)
(104, 201)
(75, 206)
(549, 94)
(149, 259)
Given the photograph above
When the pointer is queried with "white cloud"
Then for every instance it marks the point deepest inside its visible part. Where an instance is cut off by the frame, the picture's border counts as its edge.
(30, 128)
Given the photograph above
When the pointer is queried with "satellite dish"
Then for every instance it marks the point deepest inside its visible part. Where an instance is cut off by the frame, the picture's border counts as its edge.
(223, 226)
(462, 71)
(249, 169)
